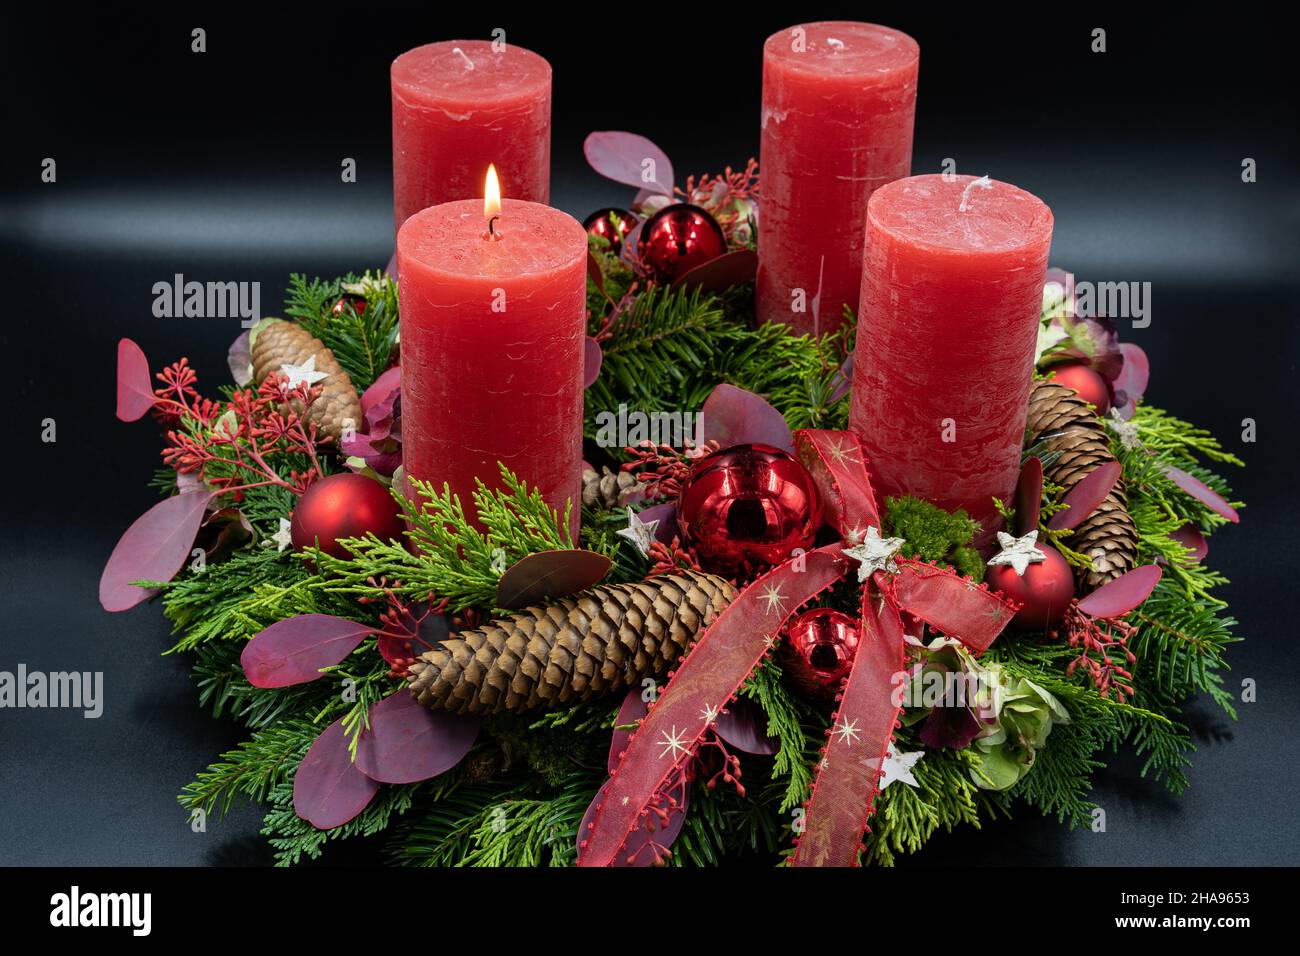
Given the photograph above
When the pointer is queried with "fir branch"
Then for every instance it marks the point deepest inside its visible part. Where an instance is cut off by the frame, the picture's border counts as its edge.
(362, 341)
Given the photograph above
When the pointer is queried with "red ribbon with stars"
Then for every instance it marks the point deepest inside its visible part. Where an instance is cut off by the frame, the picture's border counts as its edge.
(732, 646)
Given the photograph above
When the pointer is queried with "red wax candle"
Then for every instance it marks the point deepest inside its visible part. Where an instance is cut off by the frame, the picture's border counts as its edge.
(838, 104)
(460, 105)
(952, 288)
(492, 335)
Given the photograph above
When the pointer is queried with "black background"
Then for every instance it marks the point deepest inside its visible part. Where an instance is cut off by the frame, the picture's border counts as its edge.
(225, 166)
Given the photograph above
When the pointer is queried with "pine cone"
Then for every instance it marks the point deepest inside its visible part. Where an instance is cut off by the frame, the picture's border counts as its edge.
(609, 489)
(1077, 443)
(287, 343)
(593, 642)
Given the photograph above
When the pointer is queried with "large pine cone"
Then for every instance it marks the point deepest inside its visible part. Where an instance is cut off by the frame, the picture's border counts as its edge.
(286, 343)
(1077, 442)
(594, 642)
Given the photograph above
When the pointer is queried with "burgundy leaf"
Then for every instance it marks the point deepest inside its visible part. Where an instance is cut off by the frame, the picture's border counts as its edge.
(718, 275)
(550, 574)
(154, 548)
(383, 389)
(593, 271)
(1084, 497)
(843, 380)
(743, 725)
(1202, 493)
(666, 514)
(239, 359)
(1190, 537)
(1116, 598)
(633, 710)
(294, 650)
(134, 385)
(636, 850)
(619, 156)
(1131, 383)
(1029, 495)
(329, 789)
(221, 532)
(592, 359)
(407, 742)
(733, 416)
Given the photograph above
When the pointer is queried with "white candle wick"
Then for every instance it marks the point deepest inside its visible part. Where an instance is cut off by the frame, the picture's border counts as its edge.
(834, 43)
(983, 182)
(469, 64)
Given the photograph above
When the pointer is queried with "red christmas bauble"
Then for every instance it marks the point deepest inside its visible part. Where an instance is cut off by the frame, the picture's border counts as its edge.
(818, 651)
(356, 302)
(344, 506)
(612, 225)
(1092, 388)
(1044, 590)
(678, 238)
(747, 507)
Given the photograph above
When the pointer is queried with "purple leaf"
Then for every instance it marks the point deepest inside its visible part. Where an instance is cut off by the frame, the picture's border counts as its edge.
(593, 271)
(1116, 598)
(294, 650)
(134, 384)
(843, 380)
(620, 156)
(733, 416)
(1029, 495)
(650, 828)
(1190, 537)
(1084, 497)
(239, 359)
(633, 710)
(383, 389)
(743, 725)
(666, 514)
(1202, 493)
(718, 275)
(221, 532)
(328, 789)
(1131, 383)
(592, 359)
(407, 742)
(154, 548)
(1097, 340)
(550, 574)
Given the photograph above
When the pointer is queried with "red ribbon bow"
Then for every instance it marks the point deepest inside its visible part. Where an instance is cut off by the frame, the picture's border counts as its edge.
(732, 646)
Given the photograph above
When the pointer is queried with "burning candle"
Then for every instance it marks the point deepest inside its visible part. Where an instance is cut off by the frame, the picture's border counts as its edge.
(460, 105)
(492, 296)
(952, 288)
(838, 104)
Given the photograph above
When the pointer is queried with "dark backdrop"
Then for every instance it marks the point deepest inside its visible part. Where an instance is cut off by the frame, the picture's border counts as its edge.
(225, 166)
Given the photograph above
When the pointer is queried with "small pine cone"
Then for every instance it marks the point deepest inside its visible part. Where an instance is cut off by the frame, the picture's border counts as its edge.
(594, 642)
(1077, 443)
(609, 489)
(281, 343)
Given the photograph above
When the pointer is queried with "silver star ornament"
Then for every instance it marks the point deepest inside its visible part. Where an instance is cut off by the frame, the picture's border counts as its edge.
(1020, 552)
(874, 554)
(640, 533)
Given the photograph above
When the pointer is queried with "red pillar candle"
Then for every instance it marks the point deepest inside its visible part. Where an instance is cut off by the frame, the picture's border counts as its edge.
(838, 103)
(952, 288)
(492, 334)
(460, 105)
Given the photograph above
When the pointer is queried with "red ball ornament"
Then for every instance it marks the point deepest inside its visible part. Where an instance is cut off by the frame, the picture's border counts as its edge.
(612, 225)
(818, 651)
(355, 302)
(678, 238)
(1092, 388)
(344, 506)
(747, 507)
(1044, 590)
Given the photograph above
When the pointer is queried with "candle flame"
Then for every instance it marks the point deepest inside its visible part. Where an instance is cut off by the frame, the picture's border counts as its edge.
(491, 198)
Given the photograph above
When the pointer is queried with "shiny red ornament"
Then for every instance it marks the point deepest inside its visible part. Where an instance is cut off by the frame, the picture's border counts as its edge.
(748, 507)
(612, 225)
(344, 506)
(678, 238)
(818, 650)
(1044, 591)
(1092, 388)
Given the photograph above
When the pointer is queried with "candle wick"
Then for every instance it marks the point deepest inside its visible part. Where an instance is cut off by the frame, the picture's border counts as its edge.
(469, 64)
(983, 182)
(492, 229)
